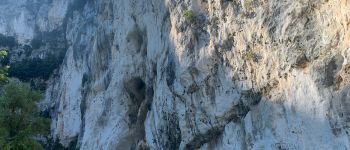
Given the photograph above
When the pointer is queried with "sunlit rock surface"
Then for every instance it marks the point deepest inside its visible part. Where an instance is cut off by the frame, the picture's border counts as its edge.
(240, 74)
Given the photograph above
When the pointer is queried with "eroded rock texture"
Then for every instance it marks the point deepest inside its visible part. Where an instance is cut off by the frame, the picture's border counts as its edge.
(236, 74)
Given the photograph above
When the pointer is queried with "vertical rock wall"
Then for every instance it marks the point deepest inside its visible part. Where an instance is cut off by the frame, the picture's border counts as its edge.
(200, 74)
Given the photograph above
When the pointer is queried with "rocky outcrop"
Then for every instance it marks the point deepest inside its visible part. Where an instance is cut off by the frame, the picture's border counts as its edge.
(195, 74)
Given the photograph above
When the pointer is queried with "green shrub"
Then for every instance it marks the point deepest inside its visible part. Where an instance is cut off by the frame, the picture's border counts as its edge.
(3, 67)
(248, 56)
(19, 118)
(189, 16)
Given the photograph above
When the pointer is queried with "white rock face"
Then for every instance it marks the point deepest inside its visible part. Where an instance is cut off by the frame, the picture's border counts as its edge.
(20, 18)
(234, 74)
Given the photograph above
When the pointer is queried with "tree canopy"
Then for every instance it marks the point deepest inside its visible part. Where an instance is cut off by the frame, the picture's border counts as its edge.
(3, 68)
(20, 121)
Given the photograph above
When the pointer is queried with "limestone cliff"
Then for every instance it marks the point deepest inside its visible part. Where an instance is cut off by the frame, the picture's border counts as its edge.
(190, 74)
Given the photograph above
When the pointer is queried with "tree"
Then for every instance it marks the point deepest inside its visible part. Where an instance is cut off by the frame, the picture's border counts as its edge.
(3, 68)
(20, 122)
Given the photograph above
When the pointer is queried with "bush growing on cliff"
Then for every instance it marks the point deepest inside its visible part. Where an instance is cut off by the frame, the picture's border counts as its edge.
(248, 56)
(189, 16)
(19, 118)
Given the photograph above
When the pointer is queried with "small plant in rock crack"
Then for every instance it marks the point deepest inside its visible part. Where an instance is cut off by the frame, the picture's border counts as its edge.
(248, 56)
(189, 16)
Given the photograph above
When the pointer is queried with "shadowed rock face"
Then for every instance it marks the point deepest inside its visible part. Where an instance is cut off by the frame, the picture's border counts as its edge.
(241, 74)
(135, 87)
